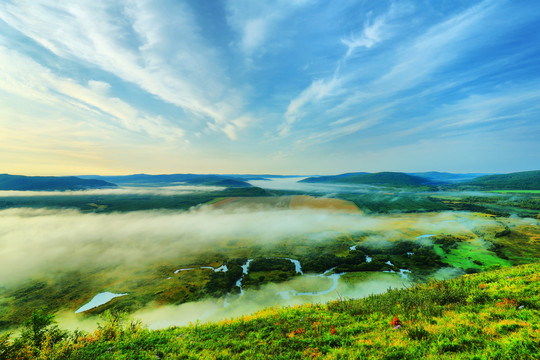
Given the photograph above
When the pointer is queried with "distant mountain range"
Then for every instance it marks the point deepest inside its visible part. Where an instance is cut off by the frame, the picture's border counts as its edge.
(50, 183)
(381, 179)
(169, 179)
(445, 177)
(526, 180)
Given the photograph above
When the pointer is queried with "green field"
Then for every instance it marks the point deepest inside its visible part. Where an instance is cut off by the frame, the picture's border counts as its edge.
(465, 255)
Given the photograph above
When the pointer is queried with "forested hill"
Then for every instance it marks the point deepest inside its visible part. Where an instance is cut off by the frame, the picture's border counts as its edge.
(396, 179)
(443, 177)
(525, 180)
(50, 183)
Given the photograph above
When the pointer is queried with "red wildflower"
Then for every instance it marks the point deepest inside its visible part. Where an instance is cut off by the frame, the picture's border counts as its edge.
(508, 303)
(333, 330)
(395, 321)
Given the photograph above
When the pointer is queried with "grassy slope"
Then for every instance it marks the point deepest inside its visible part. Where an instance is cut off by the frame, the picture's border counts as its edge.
(491, 315)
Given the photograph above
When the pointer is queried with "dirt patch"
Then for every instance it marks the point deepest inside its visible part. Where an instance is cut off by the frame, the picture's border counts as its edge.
(254, 203)
(310, 202)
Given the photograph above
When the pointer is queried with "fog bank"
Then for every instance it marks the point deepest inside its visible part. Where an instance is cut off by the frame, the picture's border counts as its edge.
(40, 241)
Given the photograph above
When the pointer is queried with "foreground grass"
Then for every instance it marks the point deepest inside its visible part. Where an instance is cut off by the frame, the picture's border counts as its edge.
(491, 315)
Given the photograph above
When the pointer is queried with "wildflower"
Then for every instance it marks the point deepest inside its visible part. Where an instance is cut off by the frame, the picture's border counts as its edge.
(521, 307)
(397, 327)
(333, 330)
(395, 321)
(507, 302)
(482, 286)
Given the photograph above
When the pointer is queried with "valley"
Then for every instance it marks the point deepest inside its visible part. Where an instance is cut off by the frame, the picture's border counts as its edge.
(219, 252)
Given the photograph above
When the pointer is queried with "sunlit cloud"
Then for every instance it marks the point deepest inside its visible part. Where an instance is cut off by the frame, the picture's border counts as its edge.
(187, 74)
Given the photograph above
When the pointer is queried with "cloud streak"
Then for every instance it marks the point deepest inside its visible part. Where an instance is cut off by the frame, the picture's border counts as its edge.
(186, 74)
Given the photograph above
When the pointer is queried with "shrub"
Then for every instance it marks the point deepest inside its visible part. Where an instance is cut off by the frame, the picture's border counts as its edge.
(36, 326)
(417, 333)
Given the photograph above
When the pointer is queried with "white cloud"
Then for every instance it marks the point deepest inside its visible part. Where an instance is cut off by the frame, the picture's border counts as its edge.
(377, 29)
(437, 47)
(318, 90)
(158, 47)
(509, 104)
(25, 78)
(335, 133)
(99, 87)
(371, 35)
(413, 62)
(342, 121)
(256, 22)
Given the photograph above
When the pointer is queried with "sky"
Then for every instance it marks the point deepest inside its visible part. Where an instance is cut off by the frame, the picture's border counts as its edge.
(268, 86)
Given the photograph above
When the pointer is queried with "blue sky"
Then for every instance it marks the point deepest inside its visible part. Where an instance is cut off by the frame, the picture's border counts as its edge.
(281, 86)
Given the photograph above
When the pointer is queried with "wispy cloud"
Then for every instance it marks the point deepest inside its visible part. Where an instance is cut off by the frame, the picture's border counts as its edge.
(512, 103)
(438, 46)
(406, 72)
(248, 79)
(335, 133)
(255, 22)
(376, 29)
(28, 79)
(158, 47)
(318, 90)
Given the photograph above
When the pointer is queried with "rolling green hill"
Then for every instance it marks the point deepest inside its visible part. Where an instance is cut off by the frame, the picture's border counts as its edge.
(394, 179)
(525, 180)
(491, 315)
(44, 183)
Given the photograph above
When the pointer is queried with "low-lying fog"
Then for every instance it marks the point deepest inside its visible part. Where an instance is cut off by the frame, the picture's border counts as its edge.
(250, 302)
(292, 183)
(127, 190)
(37, 241)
